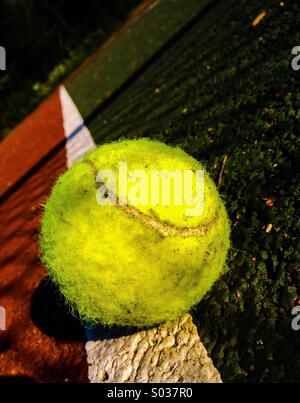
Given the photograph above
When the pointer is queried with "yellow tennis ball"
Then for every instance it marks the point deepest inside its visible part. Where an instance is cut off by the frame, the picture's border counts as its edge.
(135, 233)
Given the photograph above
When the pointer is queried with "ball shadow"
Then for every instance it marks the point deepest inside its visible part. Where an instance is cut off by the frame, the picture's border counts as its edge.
(50, 314)
(101, 332)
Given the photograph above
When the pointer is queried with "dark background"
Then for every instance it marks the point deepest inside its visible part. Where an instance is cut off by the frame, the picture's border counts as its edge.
(44, 41)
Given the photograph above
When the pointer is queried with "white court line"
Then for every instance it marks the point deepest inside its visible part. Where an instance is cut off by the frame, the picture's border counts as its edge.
(82, 142)
(79, 139)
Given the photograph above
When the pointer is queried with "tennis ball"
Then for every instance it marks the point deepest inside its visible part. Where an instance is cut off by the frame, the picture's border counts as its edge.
(120, 249)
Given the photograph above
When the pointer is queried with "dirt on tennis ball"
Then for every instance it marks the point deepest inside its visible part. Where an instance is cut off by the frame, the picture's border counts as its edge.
(123, 256)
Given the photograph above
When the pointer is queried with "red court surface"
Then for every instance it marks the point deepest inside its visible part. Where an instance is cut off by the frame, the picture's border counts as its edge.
(27, 348)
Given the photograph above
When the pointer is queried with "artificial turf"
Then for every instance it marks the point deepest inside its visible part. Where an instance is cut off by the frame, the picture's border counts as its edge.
(225, 92)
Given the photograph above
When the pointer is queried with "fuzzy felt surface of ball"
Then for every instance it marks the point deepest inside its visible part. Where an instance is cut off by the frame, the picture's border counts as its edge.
(122, 256)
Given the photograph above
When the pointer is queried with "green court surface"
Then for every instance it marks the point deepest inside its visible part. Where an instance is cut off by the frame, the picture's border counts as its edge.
(226, 88)
(128, 50)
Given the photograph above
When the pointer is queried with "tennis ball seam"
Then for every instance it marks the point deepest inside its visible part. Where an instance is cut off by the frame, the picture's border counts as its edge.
(161, 228)
(112, 264)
